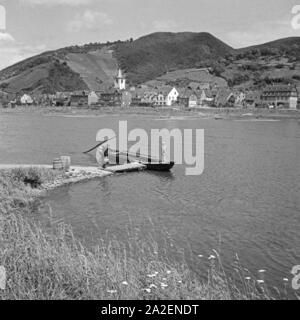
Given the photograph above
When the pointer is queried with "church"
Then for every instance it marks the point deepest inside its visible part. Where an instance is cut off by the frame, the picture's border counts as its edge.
(120, 81)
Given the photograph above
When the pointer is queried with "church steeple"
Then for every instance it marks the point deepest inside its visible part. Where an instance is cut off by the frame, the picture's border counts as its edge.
(120, 75)
(120, 81)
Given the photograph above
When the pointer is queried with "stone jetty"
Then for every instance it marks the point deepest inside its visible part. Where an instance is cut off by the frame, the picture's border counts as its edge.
(74, 175)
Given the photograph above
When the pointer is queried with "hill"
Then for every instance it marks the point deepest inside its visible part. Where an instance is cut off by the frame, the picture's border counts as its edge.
(288, 46)
(153, 55)
(273, 62)
(188, 78)
(43, 73)
(96, 68)
(167, 58)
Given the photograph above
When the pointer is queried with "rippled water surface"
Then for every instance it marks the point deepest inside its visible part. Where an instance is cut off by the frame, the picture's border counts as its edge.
(245, 202)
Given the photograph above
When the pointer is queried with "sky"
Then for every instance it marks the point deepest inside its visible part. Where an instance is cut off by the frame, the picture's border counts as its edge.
(29, 27)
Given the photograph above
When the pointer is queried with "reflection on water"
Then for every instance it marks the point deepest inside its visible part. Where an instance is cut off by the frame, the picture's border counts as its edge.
(246, 201)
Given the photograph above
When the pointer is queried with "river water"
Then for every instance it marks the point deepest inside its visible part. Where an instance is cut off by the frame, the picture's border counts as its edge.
(245, 202)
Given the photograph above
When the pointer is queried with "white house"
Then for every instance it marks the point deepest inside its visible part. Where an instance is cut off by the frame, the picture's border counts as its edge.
(202, 98)
(172, 97)
(240, 97)
(161, 99)
(26, 99)
(92, 98)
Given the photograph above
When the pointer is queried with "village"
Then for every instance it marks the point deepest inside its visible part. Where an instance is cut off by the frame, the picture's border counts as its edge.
(195, 95)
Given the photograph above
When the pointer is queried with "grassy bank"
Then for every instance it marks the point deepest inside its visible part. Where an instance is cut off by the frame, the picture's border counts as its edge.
(54, 265)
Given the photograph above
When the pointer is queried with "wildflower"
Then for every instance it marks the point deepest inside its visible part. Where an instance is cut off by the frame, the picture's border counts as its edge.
(147, 290)
(152, 285)
(163, 285)
(248, 278)
(152, 275)
(260, 281)
(179, 281)
(2, 278)
(211, 257)
(262, 271)
(112, 291)
(200, 255)
(164, 279)
(168, 272)
(125, 283)
(285, 279)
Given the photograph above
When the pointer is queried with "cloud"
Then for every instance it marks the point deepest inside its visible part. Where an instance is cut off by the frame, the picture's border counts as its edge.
(6, 37)
(164, 25)
(49, 3)
(261, 33)
(12, 53)
(90, 20)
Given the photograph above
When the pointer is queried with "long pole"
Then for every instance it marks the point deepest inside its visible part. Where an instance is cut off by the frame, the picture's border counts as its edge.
(98, 145)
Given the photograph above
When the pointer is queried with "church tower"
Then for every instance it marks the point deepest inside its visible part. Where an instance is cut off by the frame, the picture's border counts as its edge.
(120, 81)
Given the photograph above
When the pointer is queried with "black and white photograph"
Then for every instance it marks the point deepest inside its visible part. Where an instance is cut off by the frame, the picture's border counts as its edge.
(149, 153)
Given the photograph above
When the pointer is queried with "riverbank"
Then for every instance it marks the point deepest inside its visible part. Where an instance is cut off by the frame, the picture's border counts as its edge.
(54, 265)
(206, 113)
(44, 178)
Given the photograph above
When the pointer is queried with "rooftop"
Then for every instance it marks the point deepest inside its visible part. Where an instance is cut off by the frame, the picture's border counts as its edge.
(287, 87)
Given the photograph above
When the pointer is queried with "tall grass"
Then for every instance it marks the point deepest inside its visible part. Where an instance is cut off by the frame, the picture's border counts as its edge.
(55, 265)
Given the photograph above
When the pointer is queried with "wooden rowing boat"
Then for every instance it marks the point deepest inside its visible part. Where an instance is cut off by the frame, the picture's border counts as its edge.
(147, 161)
(150, 163)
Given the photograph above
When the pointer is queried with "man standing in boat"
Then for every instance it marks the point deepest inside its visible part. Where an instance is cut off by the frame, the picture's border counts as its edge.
(102, 155)
(164, 156)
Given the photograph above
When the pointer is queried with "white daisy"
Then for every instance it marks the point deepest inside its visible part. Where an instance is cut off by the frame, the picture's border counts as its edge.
(260, 281)
(112, 291)
(262, 271)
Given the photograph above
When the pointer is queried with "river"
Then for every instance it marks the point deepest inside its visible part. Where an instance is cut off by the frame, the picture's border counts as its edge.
(245, 202)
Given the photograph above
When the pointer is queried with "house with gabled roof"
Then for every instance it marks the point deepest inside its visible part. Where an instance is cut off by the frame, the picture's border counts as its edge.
(280, 96)
(79, 98)
(252, 99)
(161, 99)
(26, 99)
(111, 97)
(172, 97)
(206, 97)
(240, 97)
(93, 98)
(188, 98)
(224, 98)
(126, 98)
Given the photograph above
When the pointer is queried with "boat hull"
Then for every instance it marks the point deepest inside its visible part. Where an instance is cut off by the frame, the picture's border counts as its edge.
(151, 164)
(159, 166)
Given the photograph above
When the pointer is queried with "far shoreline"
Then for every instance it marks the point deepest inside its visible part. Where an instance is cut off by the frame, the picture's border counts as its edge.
(201, 113)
